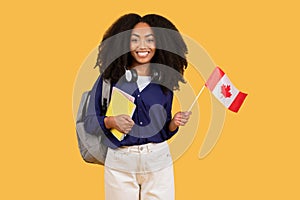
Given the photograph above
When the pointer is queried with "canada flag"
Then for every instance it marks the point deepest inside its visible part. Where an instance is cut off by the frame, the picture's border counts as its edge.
(222, 88)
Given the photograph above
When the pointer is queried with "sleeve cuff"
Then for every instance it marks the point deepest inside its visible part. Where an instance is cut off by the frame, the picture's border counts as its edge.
(174, 132)
(102, 124)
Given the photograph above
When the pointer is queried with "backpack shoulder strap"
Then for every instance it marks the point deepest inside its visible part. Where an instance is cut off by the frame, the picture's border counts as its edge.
(105, 98)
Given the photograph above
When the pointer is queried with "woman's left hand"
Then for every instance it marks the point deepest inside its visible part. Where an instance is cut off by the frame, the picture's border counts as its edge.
(179, 119)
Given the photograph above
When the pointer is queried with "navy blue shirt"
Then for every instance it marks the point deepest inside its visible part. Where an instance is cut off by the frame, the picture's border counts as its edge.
(152, 115)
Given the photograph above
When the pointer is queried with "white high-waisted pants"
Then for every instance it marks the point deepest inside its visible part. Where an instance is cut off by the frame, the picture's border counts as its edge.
(140, 172)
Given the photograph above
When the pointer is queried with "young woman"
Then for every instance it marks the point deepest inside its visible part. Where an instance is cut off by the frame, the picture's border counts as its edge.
(150, 51)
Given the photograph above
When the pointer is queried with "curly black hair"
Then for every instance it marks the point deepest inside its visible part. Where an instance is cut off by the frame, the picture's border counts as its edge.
(170, 51)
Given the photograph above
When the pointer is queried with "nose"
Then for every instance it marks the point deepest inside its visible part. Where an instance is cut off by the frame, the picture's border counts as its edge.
(142, 44)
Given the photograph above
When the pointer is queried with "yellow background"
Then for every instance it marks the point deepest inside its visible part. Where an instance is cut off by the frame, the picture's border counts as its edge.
(43, 44)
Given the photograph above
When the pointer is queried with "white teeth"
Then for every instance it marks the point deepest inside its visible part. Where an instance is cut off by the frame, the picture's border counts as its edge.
(142, 54)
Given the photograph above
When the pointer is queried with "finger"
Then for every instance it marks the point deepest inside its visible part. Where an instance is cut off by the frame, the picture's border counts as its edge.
(128, 119)
(187, 114)
(180, 122)
(125, 129)
(178, 117)
(130, 123)
(186, 118)
(183, 122)
(128, 130)
(177, 122)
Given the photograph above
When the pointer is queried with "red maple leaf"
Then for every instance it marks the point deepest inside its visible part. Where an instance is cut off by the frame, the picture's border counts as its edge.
(225, 90)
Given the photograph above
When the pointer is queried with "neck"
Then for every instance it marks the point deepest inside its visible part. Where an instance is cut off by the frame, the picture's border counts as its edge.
(142, 70)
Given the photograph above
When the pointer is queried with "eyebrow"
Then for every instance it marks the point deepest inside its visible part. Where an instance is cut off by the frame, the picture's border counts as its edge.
(137, 35)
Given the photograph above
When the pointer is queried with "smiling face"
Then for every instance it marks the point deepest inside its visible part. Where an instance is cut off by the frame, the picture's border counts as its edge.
(142, 44)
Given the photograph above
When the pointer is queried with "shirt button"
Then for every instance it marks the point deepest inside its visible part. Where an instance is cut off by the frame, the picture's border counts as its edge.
(141, 123)
(138, 95)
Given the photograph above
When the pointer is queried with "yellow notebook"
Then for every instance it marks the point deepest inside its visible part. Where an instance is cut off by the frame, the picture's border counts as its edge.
(120, 103)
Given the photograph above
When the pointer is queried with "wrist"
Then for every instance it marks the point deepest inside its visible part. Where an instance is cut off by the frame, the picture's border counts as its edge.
(109, 122)
(172, 126)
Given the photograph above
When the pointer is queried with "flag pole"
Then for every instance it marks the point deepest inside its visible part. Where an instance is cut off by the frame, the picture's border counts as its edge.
(196, 98)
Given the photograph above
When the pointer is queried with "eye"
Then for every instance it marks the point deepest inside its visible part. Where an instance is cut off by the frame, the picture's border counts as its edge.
(134, 40)
(150, 40)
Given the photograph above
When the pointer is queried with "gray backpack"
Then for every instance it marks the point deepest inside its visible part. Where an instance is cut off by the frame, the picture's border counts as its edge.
(91, 146)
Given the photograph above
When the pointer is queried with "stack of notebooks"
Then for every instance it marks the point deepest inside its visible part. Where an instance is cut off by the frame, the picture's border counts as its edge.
(120, 103)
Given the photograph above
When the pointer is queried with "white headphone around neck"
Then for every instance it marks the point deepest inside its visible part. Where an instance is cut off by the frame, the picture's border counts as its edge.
(131, 75)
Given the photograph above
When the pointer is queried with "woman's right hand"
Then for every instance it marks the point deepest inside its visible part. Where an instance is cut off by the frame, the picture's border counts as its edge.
(122, 123)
